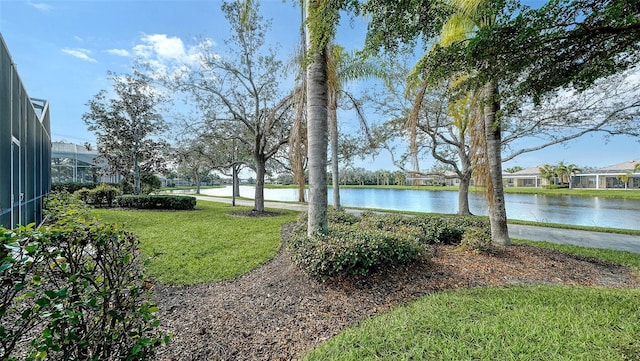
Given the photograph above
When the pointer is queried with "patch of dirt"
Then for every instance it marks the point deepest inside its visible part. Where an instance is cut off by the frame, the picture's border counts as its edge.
(276, 312)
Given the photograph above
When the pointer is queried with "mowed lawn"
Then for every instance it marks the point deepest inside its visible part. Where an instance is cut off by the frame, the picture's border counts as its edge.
(203, 245)
(507, 323)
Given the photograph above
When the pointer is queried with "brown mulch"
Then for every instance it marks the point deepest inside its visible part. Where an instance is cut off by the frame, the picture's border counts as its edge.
(276, 312)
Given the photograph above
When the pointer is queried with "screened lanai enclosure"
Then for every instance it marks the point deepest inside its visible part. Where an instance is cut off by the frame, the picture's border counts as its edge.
(25, 148)
(76, 163)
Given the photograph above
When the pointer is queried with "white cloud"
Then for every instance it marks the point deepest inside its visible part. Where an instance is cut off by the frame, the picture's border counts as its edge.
(171, 48)
(40, 6)
(118, 52)
(168, 55)
(80, 53)
(77, 38)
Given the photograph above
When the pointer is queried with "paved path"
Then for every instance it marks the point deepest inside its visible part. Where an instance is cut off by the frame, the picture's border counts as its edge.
(555, 235)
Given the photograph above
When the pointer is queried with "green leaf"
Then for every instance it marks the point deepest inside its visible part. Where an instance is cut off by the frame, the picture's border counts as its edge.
(5, 266)
(43, 301)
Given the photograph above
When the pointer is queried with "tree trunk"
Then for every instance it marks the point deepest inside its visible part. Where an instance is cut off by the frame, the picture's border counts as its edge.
(197, 178)
(236, 180)
(333, 123)
(497, 210)
(317, 101)
(136, 176)
(259, 195)
(463, 194)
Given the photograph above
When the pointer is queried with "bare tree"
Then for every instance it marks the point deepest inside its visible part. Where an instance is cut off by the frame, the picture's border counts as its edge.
(240, 92)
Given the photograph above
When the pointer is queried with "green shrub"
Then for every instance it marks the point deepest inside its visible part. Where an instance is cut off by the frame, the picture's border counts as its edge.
(73, 187)
(341, 217)
(476, 239)
(354, 248)
(105, 195)
(74, 290)
(157, 202)
(357, 245)
(149, 183)
(434, 229)
(100, 196)
(59, 205)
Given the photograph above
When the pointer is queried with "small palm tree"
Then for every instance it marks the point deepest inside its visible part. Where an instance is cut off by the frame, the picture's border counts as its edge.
(561, 172)
(343, 67)
(547, 172)
(572, 170)
(624, 178)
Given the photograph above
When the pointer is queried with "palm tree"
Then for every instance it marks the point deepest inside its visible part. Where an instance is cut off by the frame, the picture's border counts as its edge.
(467, 17)
(572, 170)
(317, 127)
(298, 136)
(561, 172)
(624, 178)
(548, 172)
(343, 67)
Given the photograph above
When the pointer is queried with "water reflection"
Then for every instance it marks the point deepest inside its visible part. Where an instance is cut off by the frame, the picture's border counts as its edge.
(585, 211)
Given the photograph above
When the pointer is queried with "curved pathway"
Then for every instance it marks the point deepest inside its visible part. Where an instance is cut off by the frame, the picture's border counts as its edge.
(621, 242)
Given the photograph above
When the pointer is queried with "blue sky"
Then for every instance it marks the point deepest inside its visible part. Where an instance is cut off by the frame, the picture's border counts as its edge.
(63, 50)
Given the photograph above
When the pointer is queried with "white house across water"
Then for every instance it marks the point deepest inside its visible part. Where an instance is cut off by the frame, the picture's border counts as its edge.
(618, 176)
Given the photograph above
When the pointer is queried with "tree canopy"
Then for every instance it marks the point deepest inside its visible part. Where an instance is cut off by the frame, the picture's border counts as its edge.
(127, 124)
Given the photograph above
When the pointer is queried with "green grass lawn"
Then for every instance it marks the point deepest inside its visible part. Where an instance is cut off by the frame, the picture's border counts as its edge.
(510, 323)
(204, 245)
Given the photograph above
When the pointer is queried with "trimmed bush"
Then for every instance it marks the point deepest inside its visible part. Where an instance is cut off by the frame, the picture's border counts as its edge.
(100, 196)
(74, 290)
(71, 187)
(149, 183)
(157, 202)
(476, 239)
(357, 245)
(354, 249)
(434, 229)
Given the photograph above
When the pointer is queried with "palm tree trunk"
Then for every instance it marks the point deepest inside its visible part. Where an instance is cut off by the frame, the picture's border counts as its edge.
(333, 122)
(317, 134)
(497, 210)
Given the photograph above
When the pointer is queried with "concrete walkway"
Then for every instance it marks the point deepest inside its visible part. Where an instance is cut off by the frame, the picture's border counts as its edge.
(614, 241)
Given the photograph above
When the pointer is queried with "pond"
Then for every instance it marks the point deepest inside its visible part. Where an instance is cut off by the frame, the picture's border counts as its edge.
(584, 211)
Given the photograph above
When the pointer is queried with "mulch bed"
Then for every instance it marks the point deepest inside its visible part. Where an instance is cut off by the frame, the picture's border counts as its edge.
(276, 312)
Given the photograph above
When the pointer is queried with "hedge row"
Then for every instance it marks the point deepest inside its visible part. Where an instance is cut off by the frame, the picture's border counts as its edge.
(100, 196)
(73, 187)
(74, 290)
(358, 245)
(157, 202)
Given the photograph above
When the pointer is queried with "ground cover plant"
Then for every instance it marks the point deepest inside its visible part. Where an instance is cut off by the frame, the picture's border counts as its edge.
(357, 245)
(207, 244)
